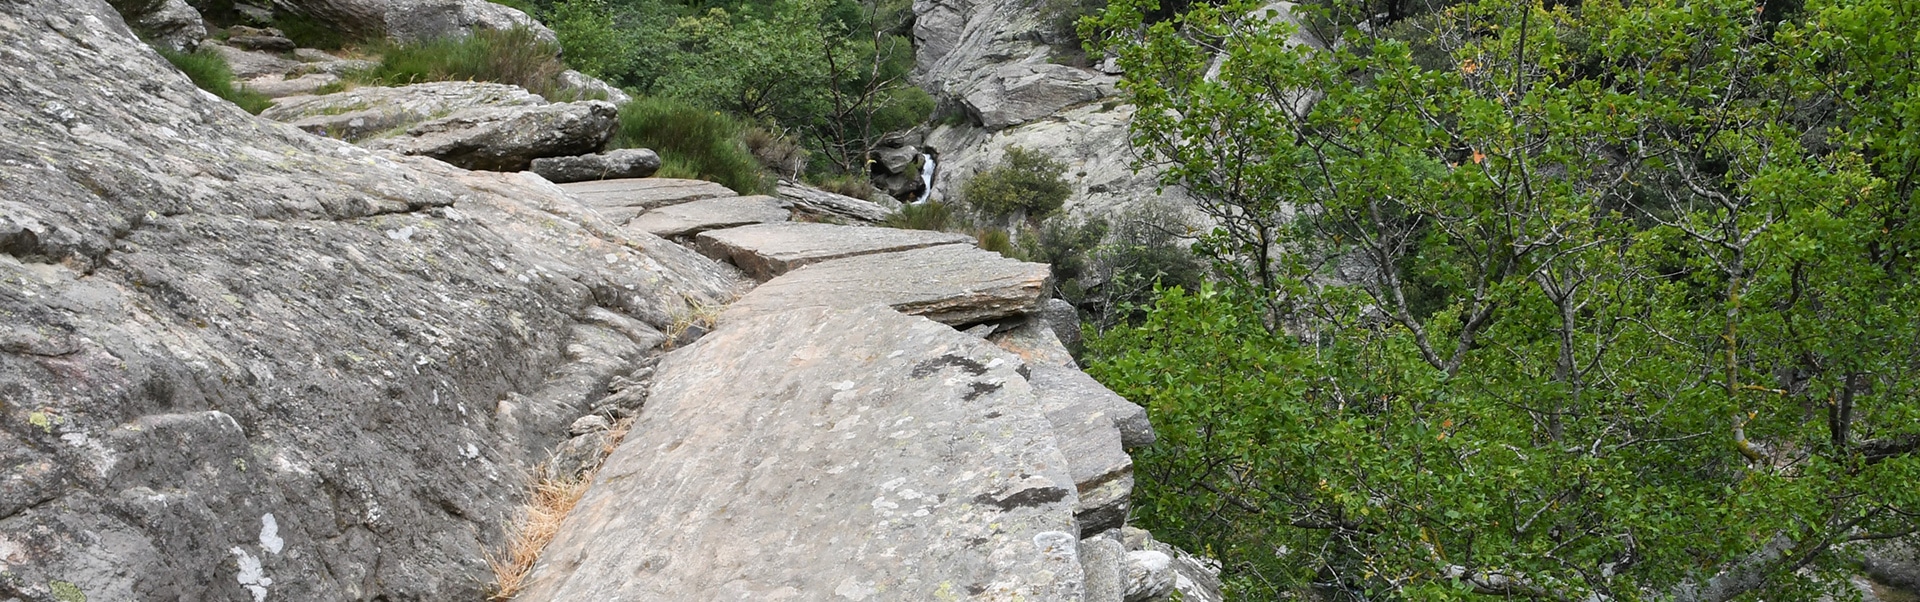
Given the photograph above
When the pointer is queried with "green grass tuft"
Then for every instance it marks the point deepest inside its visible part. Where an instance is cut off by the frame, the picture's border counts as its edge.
(693, 143)
(210, 72)
(517, 56)
(931, 215)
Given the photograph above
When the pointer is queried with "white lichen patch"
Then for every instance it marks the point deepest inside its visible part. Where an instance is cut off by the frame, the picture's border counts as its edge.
(270, 534)
(252, 576)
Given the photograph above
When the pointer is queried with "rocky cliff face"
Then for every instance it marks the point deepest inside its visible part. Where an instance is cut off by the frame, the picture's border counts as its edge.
(238, 361)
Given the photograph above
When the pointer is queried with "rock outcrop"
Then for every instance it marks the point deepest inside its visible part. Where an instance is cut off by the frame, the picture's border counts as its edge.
(168, 24)
(995, 59)
(954, 284)
(242, 362)
(415, 20)
(622, 200)
(365, 112)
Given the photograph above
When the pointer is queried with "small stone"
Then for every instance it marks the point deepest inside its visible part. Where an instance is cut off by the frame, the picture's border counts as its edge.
(588, 424)
(1149, 576)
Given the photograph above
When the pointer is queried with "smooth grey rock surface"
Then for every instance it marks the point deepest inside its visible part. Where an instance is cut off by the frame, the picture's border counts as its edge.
(416, 20)
(689, 219)
(1034, 341)
(364, 112)
(819, 454)
(1893, 566)
(272, 364)
(622, 200)
(768, 250)
(952, 284)
(508, 138)
(615, 164)
(1064, 320)
(827, 205)
(1071, 385)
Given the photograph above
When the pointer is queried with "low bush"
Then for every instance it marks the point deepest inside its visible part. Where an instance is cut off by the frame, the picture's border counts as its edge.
(1026, 183)
(855, 186)
(776, 151)
(210, 72)
(932, 215)
(517, 56)
(693, 143)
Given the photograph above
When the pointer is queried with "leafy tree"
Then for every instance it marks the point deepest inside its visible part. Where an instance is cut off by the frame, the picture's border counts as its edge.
(1025, 182)
(1593, 301)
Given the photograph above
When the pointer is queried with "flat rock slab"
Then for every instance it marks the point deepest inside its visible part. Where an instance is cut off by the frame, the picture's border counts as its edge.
(820, 454)
(952, 284)
(769, 250)
(688, 219)
(622, 200)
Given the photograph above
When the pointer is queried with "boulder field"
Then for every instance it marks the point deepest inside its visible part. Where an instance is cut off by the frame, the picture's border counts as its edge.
(239, 361)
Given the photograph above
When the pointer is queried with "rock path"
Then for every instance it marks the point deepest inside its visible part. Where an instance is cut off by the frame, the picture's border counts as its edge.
(886, 417)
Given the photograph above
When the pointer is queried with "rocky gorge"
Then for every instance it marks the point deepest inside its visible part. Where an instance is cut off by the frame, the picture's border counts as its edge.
(242, 361)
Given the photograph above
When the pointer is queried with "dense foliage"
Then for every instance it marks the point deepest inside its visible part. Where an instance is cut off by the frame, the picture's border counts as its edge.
(830, 71)
(1603, 300)
(1024, 183)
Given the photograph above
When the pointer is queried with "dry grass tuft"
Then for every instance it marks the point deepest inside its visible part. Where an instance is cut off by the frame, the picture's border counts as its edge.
(553, 500)
(702, 315)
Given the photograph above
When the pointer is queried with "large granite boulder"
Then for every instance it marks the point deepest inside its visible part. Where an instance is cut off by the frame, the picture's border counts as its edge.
(508, 138)
(611, 165)
(242, 362)
(996, 59)
(365, 112)
(769, 250)
(952, 284)
(819, 454)
(590, 87)
(416, 20)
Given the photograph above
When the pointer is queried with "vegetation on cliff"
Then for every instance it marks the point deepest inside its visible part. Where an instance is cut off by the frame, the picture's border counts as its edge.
(1563, 300)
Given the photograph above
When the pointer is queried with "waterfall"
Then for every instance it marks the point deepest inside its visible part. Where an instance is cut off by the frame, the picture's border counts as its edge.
(926, 178)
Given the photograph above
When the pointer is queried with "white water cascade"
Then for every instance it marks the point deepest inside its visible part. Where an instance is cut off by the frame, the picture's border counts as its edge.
(926, 178)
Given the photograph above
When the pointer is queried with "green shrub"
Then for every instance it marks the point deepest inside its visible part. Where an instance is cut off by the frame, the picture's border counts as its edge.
(1025, 182)
(693, 143)
(776, 151)
(210, 72)
(855, 186)
(998, 241)
(932, 215)
(517, 56)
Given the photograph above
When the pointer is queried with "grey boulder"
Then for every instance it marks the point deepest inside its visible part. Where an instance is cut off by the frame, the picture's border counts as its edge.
(249, 64)
(826, 453)
(952, 284)
(508, 138)
(590, 87)
(167, 24)
(611, 165)
(768, 250)
(279, 86)
(365, 112)
(711, 214)
(417, 20)
(1150, 576)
